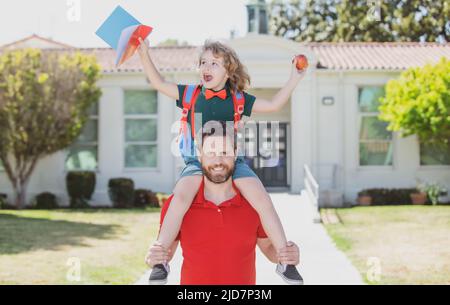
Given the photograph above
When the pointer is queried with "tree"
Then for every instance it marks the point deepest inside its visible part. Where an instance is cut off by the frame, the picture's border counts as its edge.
(419, 103)
(303, 21)
(44, 98)
(361, 20)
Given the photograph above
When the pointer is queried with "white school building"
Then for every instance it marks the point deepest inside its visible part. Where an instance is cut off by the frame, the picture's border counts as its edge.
(329, 124)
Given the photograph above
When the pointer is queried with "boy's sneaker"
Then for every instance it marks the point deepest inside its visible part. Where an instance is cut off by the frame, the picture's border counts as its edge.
(289, 274)
(159, 274)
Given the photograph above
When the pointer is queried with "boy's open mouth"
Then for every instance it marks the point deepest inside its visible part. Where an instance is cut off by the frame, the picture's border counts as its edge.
(207, 78)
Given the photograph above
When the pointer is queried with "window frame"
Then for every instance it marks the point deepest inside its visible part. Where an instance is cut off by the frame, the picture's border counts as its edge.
(89, 144)
(126, 117)
(359, 115)
(429, 167)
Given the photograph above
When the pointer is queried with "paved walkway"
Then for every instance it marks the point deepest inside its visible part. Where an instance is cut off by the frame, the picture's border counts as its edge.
(321, 261)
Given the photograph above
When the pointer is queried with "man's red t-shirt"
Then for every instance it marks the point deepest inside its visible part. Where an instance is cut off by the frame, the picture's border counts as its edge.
(218, 241)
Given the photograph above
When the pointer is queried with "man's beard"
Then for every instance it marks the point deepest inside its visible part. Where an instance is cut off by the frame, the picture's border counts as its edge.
(218, 178)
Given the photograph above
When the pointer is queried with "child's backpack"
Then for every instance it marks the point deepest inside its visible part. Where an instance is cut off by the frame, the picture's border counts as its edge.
(190, 95)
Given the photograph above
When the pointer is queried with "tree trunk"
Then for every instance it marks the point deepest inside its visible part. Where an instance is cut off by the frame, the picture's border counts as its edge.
(19, 170)
(20, 192)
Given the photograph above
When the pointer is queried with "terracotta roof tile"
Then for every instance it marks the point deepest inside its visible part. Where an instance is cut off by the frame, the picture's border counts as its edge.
(50, 43)
(377, 55)
(166, 59)
(336, 56)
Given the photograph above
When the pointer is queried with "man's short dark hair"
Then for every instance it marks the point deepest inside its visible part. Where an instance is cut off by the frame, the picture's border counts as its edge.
(220, 128)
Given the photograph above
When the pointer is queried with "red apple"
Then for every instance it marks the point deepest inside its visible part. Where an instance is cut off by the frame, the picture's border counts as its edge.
(302, 62)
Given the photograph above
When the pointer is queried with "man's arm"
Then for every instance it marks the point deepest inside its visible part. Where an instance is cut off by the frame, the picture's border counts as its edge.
(267, 248)
(282, 97)
(289, 255)
(159, 255)
(173, 249)
(167, 88)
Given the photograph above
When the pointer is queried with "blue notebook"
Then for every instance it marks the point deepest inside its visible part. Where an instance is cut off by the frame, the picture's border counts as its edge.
(111, 30)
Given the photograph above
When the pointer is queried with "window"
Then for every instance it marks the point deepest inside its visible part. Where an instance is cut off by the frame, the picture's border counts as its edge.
(141, 136)
(83, 154)
(434, 154)
(375, 141)
(263, 21)
(251, 19)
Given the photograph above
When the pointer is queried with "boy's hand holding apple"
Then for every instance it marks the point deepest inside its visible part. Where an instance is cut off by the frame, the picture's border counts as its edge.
(299, 67)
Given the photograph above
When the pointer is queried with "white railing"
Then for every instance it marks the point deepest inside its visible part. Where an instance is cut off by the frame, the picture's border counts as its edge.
(326, 175)
(312, 191)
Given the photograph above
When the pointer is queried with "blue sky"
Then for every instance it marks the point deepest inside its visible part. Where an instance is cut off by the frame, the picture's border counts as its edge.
(185, 20)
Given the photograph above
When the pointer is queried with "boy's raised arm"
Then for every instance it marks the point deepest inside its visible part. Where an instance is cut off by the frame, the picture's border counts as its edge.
(282, 96)
(167, 88)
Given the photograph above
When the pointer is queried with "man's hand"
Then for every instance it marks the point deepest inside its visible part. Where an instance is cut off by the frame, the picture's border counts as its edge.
(157, 254)
(289, 255)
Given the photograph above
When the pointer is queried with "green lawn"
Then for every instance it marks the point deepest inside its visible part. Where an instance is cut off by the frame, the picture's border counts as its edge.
(411, 243)
(35, 246)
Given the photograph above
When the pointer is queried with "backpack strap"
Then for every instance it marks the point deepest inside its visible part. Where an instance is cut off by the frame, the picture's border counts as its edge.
(190, 95)
(239, 102)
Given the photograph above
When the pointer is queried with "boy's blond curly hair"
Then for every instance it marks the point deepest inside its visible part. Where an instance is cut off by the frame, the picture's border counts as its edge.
(238, 77)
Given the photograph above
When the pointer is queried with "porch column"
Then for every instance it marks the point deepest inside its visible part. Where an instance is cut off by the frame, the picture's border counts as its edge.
(302, 137)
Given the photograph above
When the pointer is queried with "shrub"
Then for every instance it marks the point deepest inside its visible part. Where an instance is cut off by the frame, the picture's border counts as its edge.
(3, 201)
(154, 200)
(434, 190)
(4, 204)
(80, 186)
(46, 201)
(384, 196)
(144, 198)
(121, 192)
(363, 193)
